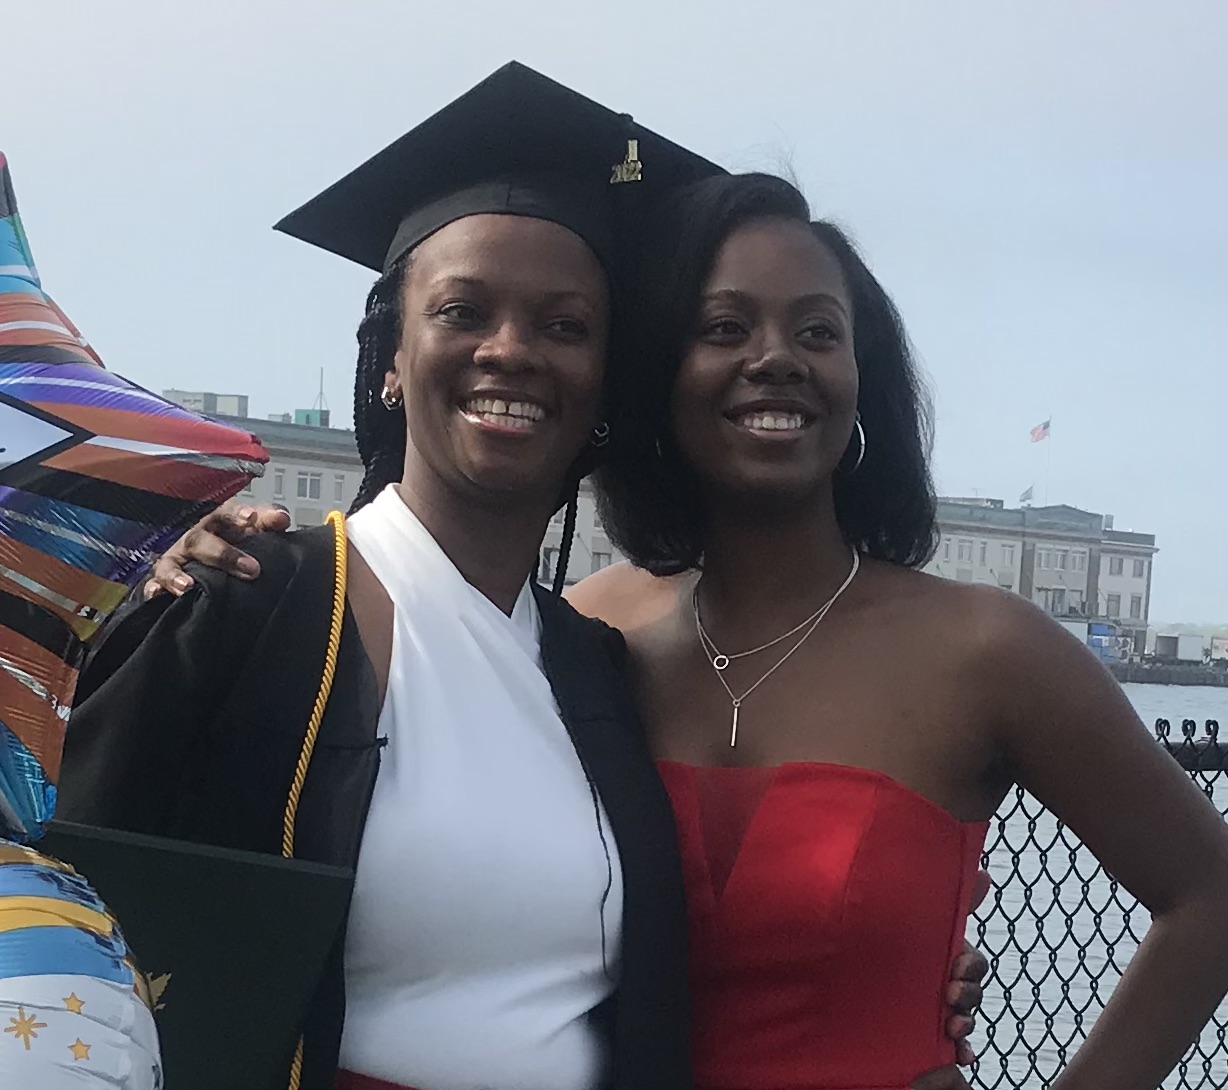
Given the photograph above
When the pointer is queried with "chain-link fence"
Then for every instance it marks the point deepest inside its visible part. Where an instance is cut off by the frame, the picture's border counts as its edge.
(1058, 930)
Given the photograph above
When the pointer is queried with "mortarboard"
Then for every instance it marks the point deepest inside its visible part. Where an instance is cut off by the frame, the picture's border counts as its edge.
(517, 144)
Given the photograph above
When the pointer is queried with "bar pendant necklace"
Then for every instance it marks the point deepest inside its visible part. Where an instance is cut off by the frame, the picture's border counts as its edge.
(720, 661)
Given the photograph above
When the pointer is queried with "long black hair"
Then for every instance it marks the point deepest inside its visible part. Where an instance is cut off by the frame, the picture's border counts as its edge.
(649, 498)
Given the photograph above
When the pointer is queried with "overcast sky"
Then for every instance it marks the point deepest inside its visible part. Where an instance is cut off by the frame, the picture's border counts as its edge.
(1042, 186)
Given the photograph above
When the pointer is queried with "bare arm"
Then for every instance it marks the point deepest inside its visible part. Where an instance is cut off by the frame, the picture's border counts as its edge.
(1073, 740)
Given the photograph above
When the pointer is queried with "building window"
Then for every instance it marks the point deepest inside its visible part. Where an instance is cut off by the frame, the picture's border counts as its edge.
(984, 554)
(1140, 569)
(1044, 559)
(1062, 559)
(338, 488)
(965, 551)
(1113, 609)
(309, 485)
(946, 548)
(550, 561)
(1136, 607)
(1115, 565)
(279, 484)
(1008, 556)
(1078, 561)
(600, 560)
(1058, 605)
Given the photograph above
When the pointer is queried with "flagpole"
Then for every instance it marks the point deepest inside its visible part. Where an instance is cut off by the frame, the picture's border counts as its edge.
(1048, 459)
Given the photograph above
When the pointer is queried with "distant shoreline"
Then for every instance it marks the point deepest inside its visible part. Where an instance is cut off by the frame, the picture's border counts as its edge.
(1156, 674)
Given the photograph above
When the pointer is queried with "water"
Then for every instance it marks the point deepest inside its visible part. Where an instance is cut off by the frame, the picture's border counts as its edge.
(1177, 702)
(1075, 950)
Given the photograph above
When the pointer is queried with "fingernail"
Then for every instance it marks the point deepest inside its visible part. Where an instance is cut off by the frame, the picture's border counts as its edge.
(245, 565)
(245, 513)
(182, 582)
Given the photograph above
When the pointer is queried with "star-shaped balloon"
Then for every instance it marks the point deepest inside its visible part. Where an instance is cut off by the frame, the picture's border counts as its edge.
(97, 477)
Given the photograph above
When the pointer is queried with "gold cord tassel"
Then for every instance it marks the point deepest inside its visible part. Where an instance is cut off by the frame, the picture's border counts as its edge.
(341, 554)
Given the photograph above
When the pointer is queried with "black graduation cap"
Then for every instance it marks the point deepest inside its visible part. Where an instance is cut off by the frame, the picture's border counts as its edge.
(519, 144)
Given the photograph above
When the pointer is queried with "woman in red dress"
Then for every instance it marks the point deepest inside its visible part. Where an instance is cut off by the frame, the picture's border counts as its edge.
(836, 728)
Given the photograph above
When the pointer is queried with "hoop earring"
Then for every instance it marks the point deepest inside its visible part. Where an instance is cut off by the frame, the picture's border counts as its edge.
(861, 444)
(391, 401)
(600, 436)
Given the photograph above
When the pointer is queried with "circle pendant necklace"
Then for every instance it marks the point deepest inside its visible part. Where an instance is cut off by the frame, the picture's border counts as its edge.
(720, 661)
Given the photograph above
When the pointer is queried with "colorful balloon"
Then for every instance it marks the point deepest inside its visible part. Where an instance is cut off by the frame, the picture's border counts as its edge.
(75, 1011)
(97, 477)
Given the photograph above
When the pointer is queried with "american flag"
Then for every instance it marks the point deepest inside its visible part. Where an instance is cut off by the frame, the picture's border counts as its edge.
(1041, 431)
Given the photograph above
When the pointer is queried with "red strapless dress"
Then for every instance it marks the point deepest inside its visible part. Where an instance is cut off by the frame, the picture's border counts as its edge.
(826, 905)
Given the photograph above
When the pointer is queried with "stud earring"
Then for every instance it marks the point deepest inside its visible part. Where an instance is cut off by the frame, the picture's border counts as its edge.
(391, 401)
(600, 436)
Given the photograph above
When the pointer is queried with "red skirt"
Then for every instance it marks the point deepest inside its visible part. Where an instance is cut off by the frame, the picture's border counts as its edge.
(348, 1080)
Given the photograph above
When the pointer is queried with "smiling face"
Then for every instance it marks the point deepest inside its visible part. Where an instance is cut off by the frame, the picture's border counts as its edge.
(502, 354)
(766, 396)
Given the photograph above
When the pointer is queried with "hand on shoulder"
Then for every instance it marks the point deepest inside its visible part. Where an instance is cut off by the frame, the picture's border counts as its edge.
(213, 543)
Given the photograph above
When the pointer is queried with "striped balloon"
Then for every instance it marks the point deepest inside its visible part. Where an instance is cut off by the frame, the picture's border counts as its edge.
(97, 477)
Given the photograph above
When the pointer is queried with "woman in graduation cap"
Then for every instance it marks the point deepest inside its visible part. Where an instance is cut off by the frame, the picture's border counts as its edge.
(398, 681)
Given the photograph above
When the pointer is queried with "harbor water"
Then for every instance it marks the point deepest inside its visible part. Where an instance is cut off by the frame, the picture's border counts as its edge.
(1077, 929)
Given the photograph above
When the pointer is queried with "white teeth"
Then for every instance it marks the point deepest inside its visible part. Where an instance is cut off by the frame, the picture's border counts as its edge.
(515, 422)
(773, 421)
(496, 410)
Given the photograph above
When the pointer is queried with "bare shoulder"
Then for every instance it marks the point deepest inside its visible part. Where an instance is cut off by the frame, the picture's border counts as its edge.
(624, 596)
(976, 623)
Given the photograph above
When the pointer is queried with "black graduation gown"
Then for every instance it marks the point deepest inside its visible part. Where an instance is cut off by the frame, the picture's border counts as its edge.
(189, 721)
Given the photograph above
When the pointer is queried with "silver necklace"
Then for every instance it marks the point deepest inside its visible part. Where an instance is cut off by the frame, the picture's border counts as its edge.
(721, 661)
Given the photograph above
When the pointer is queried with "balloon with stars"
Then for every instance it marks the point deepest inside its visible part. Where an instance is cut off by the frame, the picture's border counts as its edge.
(74, 1008)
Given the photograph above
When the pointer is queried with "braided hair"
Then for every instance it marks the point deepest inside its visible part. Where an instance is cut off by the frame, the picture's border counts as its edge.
(379, 432)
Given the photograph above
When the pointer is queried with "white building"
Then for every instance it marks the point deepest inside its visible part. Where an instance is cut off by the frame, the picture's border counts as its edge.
(311, 471)
(1071, 563)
